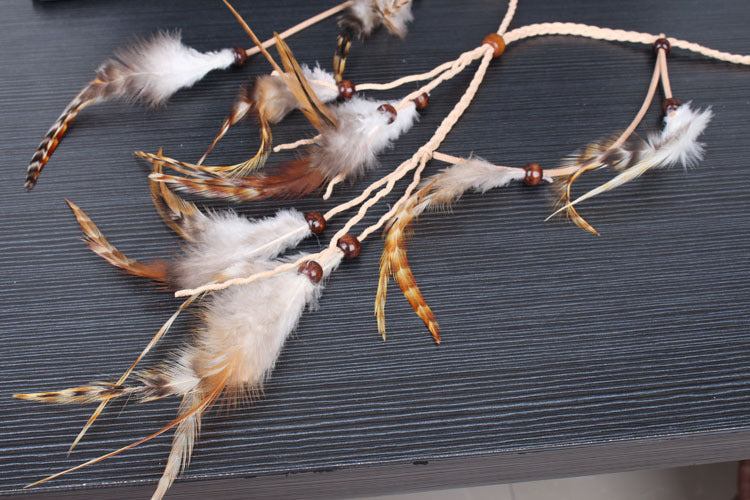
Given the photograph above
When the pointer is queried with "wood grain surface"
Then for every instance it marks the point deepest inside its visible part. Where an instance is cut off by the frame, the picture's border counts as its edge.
(563, 353)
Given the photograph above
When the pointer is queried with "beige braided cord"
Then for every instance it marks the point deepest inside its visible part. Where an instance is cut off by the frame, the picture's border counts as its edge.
(614, 35)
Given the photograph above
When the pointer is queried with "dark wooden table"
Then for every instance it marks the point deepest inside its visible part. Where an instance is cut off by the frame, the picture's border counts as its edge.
(563, 354)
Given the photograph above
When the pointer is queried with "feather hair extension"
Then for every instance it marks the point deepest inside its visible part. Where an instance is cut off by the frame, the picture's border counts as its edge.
(361, 18)
(148, 70)
(362, 131)
(438, 191)
(676, 144)
(242, 328)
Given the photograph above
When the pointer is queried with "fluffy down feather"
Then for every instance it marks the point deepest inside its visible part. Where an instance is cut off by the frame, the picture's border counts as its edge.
(678, 141)
(362, 133)
(364, 16)
(230, 246)
(154, 69)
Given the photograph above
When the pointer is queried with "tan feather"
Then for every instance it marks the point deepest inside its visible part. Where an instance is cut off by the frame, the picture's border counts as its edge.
(181, 216)
(394, 253)
(315, 111)
(291, 179)
(96, 241)
(310, 104)
(382, 293)
(563, 186)
(250, 101)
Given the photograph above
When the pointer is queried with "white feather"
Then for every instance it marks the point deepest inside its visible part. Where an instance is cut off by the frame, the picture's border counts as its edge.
(326, 93)
(152, 70)
(678, 139)
(230, 246)
(253, 321)
(362, 133)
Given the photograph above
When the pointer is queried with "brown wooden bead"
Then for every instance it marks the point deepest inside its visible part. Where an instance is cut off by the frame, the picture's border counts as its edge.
(533, 174)
(388, 110)
(312, 270)
(662, 43)
(316, 221)
(240, 56)
(346, 89)
(670, 105)
(350, 245)
(497, 42)
(421, 101)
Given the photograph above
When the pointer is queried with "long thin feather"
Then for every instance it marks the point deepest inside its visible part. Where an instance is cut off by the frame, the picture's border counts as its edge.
(148, 70)
(311, 106)
(96, 241)
(181, 216)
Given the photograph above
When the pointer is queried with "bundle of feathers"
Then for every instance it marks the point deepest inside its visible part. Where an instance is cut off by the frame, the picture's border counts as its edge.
(242, 329)
(352, 134)
(359, 129)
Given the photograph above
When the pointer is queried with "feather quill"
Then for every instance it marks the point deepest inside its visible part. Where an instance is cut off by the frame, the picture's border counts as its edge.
(438, 191)
(148, 70)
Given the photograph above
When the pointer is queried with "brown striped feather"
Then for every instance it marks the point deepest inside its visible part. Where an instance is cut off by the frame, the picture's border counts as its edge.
(395, 252)
(96, 241)
(291, 179)
(89, 95)
(181, 216)
(95, 392)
